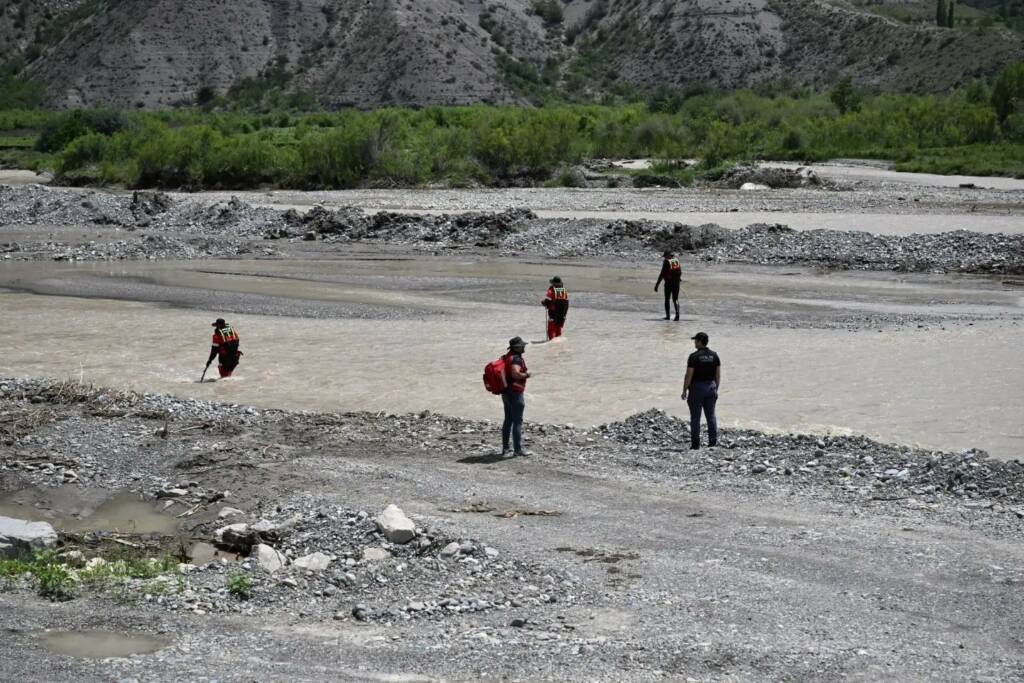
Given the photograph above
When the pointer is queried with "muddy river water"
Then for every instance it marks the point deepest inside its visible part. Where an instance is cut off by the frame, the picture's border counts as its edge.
(414, 334)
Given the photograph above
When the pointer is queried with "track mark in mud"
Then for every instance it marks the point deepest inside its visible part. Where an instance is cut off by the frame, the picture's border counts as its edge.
(598, 555)
(472, 507)
(509, 514)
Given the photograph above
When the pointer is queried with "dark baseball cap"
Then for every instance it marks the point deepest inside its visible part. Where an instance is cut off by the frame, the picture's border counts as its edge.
(219, 322)
(702, 337)
(516, 342)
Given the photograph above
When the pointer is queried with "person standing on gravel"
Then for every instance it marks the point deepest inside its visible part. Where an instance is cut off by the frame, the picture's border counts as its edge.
(225, 348)
(672, 274)
(700, 389)
(557, 302)
(514, 397)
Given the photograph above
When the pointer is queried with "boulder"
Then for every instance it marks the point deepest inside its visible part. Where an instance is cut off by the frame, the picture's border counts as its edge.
(21, 536)
(269, 559)
(229, 512)
(749, 187)
(375, 554)
(316, 562)
(395, 526)
(451, 549)
(236, 537)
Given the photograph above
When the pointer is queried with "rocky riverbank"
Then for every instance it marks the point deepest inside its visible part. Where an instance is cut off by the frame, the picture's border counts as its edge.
(479, 559)
(149, 225)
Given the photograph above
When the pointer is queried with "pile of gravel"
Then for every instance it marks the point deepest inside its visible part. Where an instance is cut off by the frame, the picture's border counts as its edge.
(774, 178)
(845, 464)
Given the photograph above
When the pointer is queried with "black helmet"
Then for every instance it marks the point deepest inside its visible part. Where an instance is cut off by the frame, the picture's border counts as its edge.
(556, 280)
(219, 323)
(668, 254)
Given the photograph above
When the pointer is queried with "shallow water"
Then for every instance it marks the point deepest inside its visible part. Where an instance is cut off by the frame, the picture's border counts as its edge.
(942, 388)
(101, 644)
(74, 510)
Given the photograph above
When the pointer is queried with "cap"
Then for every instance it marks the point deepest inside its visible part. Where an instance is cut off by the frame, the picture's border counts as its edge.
(219, 322)
(516, 342)
(702, 337)
(667, 253)
(556, 280)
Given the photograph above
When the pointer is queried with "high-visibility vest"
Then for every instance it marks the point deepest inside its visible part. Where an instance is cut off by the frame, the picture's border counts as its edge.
(673, 264)
(559, 294)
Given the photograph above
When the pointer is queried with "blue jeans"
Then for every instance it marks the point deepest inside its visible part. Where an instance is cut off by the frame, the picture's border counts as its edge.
(703, 396)
(515, 406)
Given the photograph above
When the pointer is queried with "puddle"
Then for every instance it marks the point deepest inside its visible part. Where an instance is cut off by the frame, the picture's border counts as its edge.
(201, 553)
(101, 644)
(74, 510)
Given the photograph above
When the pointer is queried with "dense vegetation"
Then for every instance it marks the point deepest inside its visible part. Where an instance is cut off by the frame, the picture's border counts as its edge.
(977, 131)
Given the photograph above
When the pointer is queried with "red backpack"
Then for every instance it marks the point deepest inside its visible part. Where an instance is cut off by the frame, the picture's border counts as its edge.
(494, 376)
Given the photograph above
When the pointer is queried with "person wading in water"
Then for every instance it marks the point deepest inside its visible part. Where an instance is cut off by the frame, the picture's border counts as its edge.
(225, 348)
(672, 274)
(557, 302)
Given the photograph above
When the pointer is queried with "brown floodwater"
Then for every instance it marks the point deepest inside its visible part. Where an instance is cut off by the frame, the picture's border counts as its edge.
(952, 388)
(72, 509)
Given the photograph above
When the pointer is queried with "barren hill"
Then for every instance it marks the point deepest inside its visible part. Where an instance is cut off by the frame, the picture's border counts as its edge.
(158, 53)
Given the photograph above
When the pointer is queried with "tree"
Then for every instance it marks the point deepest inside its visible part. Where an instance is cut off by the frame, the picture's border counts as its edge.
(940, 12)
(950, 18)
(845, 97)
(1008, 92)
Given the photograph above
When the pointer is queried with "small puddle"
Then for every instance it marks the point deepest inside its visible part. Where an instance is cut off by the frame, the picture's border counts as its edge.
(101, 644)
(201, 553)
(74, 510)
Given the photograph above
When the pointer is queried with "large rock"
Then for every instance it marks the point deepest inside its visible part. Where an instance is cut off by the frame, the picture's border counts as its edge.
(236, 537)
(20, 536)
(269, 560)
(395, 526)
(317, 562)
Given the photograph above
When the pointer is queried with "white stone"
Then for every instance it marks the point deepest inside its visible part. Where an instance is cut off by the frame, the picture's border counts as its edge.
(395, 526)
(375, 554)
(269, 559)
(747, 187)
(316, 562)
(24, 536)
(450, 549)
(229, 512)
(95, 563)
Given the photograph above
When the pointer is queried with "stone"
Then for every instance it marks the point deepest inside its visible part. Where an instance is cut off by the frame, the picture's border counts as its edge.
(749, 187)
(758, 469)
(450, 550)
(172, 493)
(375, 554)
(269, 559)
(491, 552)
(229, 512)
(22, 536)
(236, 536)
(316, 562)
(395, 526)
(95, 563)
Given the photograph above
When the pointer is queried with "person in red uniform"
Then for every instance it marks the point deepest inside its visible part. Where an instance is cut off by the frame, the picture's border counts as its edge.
(672, 274)
(225, 348)
(557, 302)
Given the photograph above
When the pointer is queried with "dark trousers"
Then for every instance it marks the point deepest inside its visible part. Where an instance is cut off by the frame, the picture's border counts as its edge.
(671, 292)
(702, 397)
(515, 406)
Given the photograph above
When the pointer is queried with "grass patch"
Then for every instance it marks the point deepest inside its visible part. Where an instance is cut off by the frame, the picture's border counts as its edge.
(239, 584)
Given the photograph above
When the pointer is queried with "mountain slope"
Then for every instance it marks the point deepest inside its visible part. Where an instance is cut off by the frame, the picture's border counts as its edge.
(367, 53)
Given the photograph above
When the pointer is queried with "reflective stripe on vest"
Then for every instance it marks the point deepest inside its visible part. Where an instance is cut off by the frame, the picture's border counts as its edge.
(673, 264)
(560, 293)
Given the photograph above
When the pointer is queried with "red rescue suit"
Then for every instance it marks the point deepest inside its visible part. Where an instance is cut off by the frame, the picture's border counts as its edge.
(225, 345)
(557, 303)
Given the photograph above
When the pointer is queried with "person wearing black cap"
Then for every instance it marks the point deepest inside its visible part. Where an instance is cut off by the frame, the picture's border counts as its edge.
(557, 302)
(672, 274)
(514, 397)
(225, 348)
(700, 389)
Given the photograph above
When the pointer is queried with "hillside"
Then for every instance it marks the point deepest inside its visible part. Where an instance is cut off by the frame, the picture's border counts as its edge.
(161, 53)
